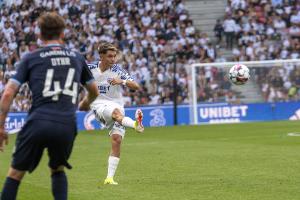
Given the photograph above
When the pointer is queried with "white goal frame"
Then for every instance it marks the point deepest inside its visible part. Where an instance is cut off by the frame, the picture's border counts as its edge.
(193, 85)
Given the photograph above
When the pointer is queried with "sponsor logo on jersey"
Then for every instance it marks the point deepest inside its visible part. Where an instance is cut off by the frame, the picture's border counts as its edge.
(103, 88)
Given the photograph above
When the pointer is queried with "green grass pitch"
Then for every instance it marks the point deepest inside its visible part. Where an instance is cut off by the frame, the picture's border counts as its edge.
(250, 161)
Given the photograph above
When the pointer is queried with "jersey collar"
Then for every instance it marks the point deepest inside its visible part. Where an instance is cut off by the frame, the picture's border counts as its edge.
(100, 68)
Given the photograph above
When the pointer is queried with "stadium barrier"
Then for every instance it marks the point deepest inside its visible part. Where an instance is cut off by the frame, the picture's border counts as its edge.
(209, 113)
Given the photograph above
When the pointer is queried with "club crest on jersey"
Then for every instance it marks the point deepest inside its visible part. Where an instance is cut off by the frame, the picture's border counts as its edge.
(109, 80)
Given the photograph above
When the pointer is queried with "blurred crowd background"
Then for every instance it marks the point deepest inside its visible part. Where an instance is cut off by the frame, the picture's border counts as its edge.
(150, 33)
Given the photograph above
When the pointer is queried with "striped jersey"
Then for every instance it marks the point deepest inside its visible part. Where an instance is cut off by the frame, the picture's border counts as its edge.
(107, 91)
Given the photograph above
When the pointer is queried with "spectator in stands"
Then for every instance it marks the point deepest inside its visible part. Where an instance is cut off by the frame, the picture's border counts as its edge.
(218, 29)
(231, 98)
(229, 31)
(148, 32)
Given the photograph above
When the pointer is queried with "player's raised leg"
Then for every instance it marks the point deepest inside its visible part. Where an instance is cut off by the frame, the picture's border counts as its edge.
(137, 124)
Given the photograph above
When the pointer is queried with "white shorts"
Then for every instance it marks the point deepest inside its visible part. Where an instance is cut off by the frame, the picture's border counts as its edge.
(103, 113)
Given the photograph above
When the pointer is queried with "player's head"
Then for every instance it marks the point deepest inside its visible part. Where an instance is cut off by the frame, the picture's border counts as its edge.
(51, 26)
(108, 53)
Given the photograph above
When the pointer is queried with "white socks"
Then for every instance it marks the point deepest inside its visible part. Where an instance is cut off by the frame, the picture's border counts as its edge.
(128, 122)
(112, 166)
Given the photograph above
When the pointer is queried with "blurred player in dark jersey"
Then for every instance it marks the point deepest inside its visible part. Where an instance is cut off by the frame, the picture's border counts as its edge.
(54, 75)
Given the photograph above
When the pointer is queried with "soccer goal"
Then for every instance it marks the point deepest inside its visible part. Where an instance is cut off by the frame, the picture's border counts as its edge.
(258, 69)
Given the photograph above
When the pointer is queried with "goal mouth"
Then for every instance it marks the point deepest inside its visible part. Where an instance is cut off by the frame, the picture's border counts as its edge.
(266, 63)
(195, 70)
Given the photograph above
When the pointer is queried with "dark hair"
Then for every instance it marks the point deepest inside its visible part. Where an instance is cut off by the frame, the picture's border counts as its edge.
(106, 46)
(51, 25)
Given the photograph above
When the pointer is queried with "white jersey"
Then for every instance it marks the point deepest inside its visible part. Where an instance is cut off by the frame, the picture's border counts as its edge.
(107, 91)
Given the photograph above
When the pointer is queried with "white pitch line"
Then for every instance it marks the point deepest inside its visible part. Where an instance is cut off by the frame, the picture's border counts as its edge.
(294, 134)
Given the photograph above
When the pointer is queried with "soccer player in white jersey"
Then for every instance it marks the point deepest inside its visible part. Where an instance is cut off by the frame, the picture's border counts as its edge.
(109, 107)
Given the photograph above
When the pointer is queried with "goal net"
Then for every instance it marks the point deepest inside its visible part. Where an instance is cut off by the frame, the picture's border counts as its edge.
(270, 81)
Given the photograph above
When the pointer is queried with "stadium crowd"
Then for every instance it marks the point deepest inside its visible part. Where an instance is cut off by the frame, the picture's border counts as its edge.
(149, 34)
(266, 30)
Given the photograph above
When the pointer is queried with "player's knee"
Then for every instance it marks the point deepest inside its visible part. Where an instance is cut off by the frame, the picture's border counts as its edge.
(117, 115)
(16, 174)
(116, 139)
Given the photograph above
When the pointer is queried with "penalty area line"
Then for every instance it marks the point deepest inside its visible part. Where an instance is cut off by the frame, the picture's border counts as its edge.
(294, 134)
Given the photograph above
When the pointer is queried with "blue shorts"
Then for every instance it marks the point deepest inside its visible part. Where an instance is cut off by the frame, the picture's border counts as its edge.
(37, 135)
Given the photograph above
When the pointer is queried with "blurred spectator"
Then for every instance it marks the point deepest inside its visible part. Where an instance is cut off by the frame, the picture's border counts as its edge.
(229, 30)
(148, 33)
(218, 29)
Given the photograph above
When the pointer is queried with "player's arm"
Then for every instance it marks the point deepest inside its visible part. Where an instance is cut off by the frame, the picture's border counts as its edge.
(131, 84)
(93, 92)
(128, 83)
(125, 79)
(11, 89)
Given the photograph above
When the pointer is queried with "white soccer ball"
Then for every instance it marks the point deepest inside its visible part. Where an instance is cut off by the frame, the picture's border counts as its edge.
(239, 74)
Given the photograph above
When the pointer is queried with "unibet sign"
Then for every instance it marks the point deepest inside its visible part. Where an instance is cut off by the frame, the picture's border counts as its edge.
(223, 112)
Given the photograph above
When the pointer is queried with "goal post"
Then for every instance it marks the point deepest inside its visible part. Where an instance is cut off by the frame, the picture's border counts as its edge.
(225, 65)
